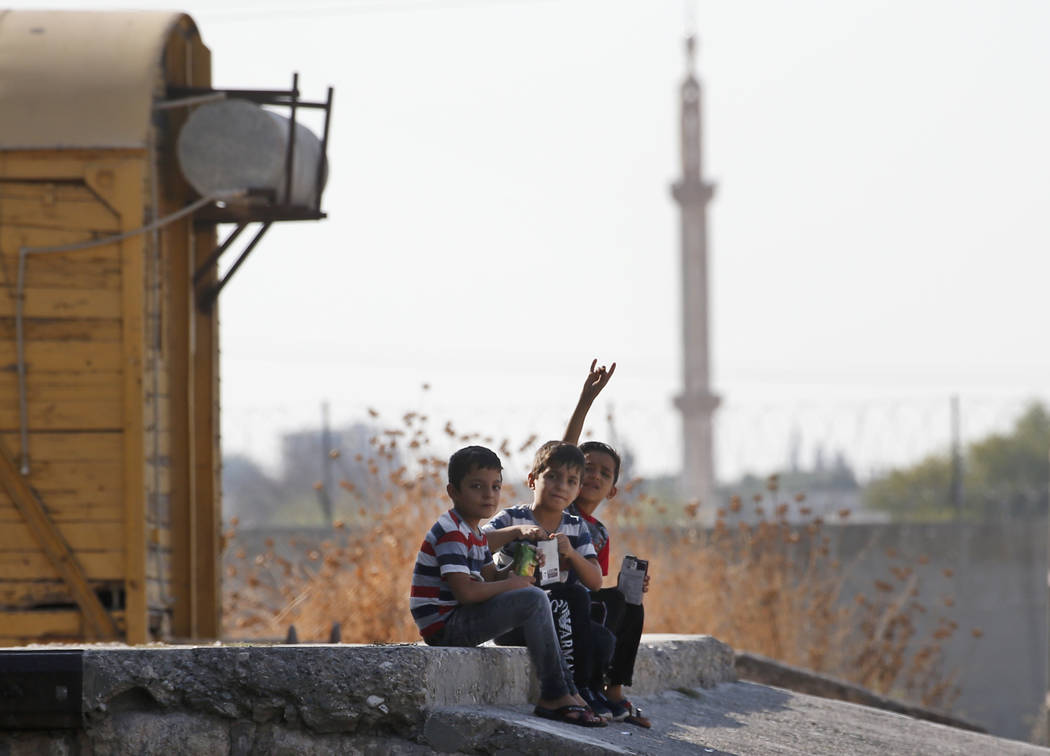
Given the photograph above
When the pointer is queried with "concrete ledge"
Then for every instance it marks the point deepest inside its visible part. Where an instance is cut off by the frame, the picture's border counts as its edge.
(767, 671)
(240, 699)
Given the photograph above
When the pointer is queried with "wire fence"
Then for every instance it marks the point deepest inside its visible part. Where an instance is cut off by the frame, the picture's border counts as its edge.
(870, 436)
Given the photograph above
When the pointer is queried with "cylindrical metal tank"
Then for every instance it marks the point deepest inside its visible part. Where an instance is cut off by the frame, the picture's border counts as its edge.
(235, 145)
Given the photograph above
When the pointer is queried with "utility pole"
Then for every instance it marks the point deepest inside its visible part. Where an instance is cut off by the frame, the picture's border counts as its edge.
(956, 486)
(324, 494)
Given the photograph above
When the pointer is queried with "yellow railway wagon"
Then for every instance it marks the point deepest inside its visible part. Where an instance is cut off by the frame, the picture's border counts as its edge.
(109, 436)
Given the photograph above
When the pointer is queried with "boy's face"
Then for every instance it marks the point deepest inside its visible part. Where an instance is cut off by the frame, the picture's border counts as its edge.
(599, 475)
(555, 487)
(477, 497)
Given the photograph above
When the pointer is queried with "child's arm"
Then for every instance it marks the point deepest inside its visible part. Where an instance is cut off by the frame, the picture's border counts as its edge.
(502, 536)
(470, 591)
(587, 568)
(596, 380)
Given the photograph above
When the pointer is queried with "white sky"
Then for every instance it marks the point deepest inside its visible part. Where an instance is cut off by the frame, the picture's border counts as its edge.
(499, 212)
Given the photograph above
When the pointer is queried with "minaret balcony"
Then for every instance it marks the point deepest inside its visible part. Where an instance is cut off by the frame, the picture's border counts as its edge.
(692, 191)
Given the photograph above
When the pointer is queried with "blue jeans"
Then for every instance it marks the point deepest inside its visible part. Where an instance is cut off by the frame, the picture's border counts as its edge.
(525, 608)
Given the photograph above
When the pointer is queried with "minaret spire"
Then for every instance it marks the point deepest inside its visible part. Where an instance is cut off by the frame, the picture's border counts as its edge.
(696, 402)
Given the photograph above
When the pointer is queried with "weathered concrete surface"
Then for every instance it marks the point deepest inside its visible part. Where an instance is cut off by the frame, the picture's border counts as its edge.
(318, 698)
(756, 668)
(410, 700)
(731, 718)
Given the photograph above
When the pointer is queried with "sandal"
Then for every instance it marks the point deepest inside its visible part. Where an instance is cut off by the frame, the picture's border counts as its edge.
(583, 716)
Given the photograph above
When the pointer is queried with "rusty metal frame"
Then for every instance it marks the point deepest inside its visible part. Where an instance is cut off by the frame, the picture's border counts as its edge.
(262, 206)
(206, 298)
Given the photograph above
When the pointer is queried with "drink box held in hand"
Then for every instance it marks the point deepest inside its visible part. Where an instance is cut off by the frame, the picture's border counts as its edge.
(631, 581)
(550, 571)
(524, 560)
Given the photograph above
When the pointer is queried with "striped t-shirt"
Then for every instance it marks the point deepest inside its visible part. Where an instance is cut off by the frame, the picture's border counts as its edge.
(570, 525)
(450, 546)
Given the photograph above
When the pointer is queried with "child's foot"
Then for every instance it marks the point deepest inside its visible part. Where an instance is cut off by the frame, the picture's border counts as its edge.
(617, 710)
(565, 709)
(597, 702)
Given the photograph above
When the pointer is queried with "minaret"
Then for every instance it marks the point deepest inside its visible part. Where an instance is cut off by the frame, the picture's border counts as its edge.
(696, 402)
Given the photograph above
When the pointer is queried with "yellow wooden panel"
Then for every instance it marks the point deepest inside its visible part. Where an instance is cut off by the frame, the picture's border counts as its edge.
(65, 206)
(27, 593)
(13, 237)
(58, 356)
(61, 165)
(65, 303)
(97, 565)
(87, 476)
(68, 507)
(94, 386)
(62, 329)
(64, 622)
(81, 536)
(93, 268)
(68, 415)
(71, 505)
(67, 447)
(42, 629)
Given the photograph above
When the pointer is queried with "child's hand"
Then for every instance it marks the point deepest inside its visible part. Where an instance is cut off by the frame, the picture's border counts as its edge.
(564, 546)
(596, 380)
(532, 533)
(645, 583)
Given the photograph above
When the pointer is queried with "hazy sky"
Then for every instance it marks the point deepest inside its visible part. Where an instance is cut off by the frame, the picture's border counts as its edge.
(499, 211)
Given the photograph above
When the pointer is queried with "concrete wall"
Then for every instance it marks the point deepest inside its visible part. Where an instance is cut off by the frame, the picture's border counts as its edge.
(998, 584)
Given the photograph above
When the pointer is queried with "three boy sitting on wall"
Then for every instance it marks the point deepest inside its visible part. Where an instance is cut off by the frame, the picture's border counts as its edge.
(462, 596)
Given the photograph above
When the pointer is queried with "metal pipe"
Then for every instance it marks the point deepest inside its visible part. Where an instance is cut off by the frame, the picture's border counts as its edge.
(186, 102)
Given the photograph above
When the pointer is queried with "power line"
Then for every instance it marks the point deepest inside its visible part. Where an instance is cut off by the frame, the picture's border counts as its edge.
(356, 7)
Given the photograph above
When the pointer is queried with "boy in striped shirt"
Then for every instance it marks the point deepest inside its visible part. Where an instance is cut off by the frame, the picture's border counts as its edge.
(459, 599)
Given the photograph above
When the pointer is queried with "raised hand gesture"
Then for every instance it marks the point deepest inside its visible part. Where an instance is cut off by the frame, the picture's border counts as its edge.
(596, 380)
(597, 377)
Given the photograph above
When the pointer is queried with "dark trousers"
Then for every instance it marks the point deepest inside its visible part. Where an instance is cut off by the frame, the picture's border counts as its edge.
(586, 646)
(625, 621)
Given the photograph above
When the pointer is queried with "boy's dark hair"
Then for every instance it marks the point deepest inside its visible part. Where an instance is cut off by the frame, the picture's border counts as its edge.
(556, 454)
(471, 458)
(598, 446)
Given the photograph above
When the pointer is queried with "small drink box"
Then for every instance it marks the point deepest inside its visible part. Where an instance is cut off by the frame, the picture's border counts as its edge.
(631, 580)
(550, 572)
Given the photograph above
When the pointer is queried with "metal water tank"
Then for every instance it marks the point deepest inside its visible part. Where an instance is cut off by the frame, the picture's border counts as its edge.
(235, 145)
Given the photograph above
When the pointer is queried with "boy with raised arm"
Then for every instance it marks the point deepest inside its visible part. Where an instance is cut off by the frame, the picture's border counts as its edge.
(600, 475)
(555, 481)
(459, 599)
